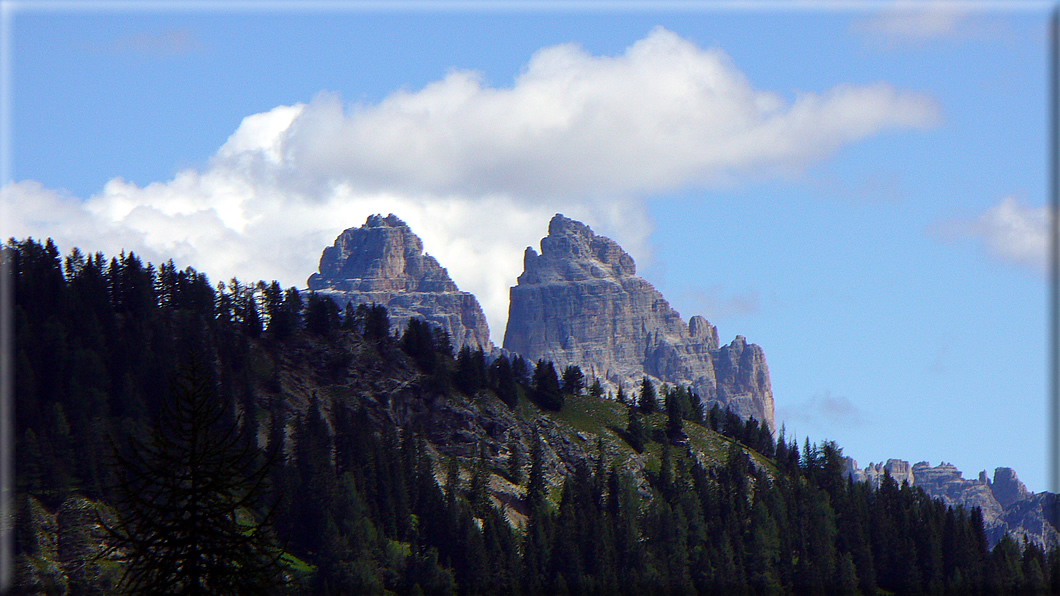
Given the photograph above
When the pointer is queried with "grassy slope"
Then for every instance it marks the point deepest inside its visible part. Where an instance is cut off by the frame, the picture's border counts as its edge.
(586, 419)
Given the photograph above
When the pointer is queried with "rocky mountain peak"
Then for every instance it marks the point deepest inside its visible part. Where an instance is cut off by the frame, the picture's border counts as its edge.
(383, 262)
(572, 252)
(381, 255)
(1006, 504)
(702, 331)
(1007, 488)
(580, 302)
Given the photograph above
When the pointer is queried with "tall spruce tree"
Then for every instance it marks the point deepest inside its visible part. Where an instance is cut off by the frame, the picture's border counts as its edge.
(187, 494)
(648, 402)
(546, 386)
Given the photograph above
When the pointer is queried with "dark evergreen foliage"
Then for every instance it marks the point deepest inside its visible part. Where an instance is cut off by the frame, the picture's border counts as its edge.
(186, 499)
(636, 434)
(418, 342)
(546, 389)
(504, 381)
(573, 380)
(321, 315)
(470, 376)
(596, 389)
(356, 497)
(647, 401)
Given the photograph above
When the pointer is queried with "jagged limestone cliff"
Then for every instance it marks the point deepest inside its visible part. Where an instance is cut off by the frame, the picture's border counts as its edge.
(383, 262)
(1007, 505)
(580, 302)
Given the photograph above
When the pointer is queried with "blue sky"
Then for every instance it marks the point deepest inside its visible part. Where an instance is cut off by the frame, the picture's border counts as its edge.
(859, 192)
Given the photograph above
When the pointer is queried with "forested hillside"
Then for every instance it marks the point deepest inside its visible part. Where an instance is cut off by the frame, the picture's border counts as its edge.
(362, 462)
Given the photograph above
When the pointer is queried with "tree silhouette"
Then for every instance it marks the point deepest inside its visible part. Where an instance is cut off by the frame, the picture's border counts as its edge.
(648, 403)
(186, 498)
(546, 386)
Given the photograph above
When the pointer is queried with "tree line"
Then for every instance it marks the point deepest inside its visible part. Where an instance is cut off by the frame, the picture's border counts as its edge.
(356, 504)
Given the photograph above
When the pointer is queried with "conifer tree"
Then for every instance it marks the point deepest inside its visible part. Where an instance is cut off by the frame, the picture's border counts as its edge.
(506, 388)
(376, 321)
(479, 493)
(546, 386)
(648, 403)
(573, 380)
(520, 370)
(515, 461)
(186, 520)
(535, 490)
(674, 422)
(322, 315)
(635, 429)
(596, 389)
(418, 342)
(536, 551)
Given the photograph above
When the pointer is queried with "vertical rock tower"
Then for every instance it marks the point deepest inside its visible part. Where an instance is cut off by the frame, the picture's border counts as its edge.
(383, 262)
(581, 302)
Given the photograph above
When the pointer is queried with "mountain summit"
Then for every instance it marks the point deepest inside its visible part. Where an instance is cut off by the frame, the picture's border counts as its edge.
(580, 302)
(383, 262)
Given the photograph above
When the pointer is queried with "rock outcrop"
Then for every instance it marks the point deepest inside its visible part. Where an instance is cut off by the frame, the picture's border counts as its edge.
(1007, 488)
(899, 470)
(1007, 505)
(66, 551)
(383, 262)
(580, 302)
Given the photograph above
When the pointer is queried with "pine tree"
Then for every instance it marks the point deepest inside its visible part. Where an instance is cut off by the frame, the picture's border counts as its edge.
(418, 342)
(535, 490)
(506, 389)
(648, 403)
(596, 389)
(635, 430)
(536, 551)
(376, 322)
(573, 380)
(520, 370)
(546, 386)
(186, 520)
(674, 422)
(515, 461)
(321, 315)
(479, 494)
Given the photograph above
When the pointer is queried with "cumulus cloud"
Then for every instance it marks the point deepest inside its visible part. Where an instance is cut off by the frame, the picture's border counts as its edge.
(1010, 231)
(662, 115)
(475, 170)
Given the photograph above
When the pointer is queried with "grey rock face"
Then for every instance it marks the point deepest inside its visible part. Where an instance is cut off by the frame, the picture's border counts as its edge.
(946, 482)
(383, 262)
(898, 469)
(1007, 488)
(65, 548)
(1007, 505)
(580, 302)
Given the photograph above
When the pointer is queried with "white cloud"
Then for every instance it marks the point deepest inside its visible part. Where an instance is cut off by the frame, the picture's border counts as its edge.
(664, 114)
(476, 171)
(1010, 231)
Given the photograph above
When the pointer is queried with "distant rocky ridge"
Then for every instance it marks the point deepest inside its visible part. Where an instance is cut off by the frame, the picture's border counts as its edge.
(1007, 505)
(580, 302)
(383, 262)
